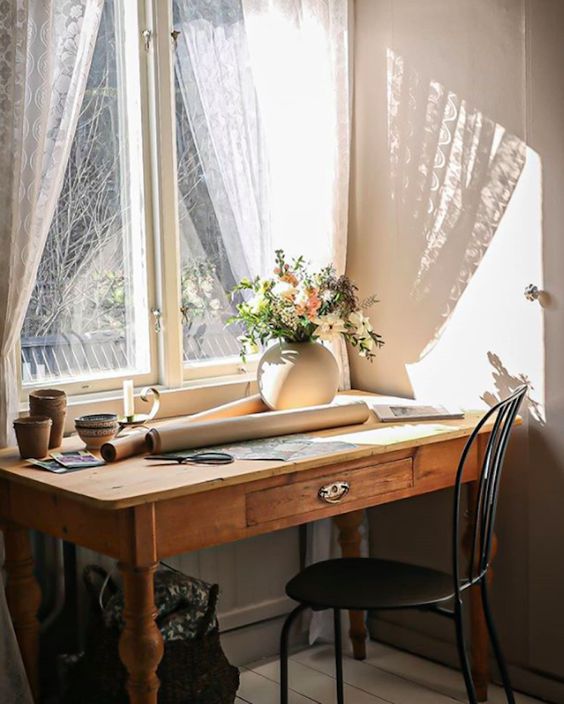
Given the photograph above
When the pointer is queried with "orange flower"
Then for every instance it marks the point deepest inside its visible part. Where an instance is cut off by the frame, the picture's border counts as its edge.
(289, 278)
(313, 303)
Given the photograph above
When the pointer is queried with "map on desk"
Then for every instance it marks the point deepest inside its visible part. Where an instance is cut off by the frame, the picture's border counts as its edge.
(284, 448)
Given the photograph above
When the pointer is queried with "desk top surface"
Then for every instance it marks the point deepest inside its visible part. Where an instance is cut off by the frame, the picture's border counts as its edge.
(135, 481)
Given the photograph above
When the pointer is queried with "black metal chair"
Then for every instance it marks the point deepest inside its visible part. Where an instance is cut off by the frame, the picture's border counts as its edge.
(368, 584)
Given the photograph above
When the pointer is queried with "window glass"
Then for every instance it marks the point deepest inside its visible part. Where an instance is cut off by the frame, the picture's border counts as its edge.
(221, 171)
(88, 312)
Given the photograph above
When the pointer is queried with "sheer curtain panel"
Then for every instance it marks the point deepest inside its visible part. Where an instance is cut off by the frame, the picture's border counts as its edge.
(46, 52)
(300, 57)
(265, 85)
(215, 78)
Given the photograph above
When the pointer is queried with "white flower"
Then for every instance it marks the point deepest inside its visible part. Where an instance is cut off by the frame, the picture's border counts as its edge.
(284, 290)
(328, 326)
(256, 303)
(302, 297)
(361, 324)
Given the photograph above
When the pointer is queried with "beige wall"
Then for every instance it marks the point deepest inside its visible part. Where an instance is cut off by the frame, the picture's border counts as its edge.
(458, 126)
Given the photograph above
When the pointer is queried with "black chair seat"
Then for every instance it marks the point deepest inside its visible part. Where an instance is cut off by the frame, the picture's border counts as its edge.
(366, 583)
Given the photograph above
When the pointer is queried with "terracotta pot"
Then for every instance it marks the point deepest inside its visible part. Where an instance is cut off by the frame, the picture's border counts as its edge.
(32, 434)
(53, 404)
(297, 374)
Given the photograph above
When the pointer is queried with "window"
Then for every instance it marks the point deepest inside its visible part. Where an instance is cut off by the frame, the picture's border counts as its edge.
(171, 195)
(218, 141)
(87, 318)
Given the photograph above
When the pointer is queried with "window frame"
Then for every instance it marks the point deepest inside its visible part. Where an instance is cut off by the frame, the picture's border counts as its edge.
(156, 98)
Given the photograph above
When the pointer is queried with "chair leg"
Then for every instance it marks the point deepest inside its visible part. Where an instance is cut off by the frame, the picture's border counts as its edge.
(338, 655)
(495, 643)
(284, 652)
(462, 653)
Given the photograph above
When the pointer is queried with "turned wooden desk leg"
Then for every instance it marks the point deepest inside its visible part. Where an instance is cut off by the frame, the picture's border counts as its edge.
(24, 598)
(141, 643)
(479, 632)
(349, 539)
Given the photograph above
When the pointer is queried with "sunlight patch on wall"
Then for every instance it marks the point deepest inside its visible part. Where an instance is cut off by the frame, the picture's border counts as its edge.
(493, 340)
(466, 197)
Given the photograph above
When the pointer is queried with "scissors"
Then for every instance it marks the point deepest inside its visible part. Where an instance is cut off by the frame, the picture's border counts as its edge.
(205, 457)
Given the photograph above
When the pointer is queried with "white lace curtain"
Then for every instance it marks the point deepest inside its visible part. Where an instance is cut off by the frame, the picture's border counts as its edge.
(265, 84)
(46, 53)
(265, 87)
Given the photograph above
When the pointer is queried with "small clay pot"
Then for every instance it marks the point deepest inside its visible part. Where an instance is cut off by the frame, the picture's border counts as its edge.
(53, 404)
(32, 434)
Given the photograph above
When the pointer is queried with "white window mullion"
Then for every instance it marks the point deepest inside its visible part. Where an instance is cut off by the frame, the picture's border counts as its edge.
(165, 198)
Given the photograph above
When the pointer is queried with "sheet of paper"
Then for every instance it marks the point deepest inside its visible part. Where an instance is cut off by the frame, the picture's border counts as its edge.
(395, 433)
(284, 448)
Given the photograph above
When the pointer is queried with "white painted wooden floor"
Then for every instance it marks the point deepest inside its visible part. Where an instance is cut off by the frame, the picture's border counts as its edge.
(387, 676)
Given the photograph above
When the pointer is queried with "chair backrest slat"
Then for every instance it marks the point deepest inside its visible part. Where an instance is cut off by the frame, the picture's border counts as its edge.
(503, 415)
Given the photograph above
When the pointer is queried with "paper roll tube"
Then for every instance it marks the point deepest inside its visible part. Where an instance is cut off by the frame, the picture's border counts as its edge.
(184, 435)
(134, 443)
(124, 447)
(241, 407)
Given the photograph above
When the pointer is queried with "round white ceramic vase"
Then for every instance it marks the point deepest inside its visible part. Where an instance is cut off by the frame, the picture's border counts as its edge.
(297, 374)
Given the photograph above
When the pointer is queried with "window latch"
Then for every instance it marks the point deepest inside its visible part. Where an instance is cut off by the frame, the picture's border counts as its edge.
(175, 34)
(157, 315)
(147, 36)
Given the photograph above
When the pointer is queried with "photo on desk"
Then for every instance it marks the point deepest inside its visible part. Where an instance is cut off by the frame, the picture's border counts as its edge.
(49, 465)
(77, 459)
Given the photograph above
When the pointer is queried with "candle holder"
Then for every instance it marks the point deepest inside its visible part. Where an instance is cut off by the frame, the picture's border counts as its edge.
(140, 420)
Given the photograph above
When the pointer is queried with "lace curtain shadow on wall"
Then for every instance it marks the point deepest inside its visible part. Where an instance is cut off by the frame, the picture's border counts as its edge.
(453, 172)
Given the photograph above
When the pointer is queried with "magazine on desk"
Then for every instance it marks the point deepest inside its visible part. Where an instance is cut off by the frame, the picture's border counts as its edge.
(388, 413)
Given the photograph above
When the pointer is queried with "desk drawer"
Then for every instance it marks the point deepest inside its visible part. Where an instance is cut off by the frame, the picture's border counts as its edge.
(352, 486)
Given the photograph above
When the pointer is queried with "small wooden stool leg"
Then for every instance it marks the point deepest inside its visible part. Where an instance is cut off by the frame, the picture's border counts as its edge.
(349, 540)
(24, 598)
(141, 643)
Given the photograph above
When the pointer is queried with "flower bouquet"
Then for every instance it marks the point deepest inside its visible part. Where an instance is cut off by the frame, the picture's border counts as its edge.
(299, 305)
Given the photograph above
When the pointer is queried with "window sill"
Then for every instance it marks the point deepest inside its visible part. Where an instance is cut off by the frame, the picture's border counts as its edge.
(191, 397)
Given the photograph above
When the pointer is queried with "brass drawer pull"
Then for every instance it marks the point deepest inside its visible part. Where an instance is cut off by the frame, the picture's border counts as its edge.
(333, 493)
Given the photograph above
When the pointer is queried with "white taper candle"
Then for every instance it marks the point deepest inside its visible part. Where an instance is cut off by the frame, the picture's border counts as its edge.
(128, 403)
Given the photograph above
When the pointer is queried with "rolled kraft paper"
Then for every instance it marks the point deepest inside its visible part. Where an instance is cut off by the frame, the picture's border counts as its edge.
(124, 447)
(186, 436)
(241, 407)
(135, 444)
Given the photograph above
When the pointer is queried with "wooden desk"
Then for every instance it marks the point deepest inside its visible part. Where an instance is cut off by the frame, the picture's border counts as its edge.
(140, 514)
